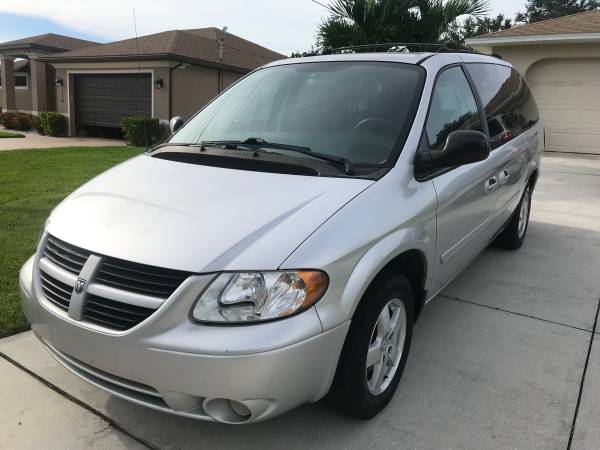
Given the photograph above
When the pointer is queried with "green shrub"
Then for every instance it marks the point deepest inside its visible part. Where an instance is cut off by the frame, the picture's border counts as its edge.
(134, 128)
(36, 124)
(17, 121)
(53, 123)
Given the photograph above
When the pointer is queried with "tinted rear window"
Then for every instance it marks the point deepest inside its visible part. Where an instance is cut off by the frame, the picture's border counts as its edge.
(507, 100)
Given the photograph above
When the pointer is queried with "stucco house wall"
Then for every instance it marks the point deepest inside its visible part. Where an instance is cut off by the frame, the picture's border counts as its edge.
(22, 95)
(195, 86)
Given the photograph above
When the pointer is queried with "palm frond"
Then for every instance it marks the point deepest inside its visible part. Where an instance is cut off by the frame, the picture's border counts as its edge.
(458, 8)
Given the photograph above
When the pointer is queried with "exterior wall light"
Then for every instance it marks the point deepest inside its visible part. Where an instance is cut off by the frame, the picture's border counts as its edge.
(58, 82)
(158, 83)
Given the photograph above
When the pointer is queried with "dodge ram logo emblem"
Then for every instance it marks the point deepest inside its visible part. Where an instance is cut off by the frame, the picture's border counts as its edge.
(80, 285)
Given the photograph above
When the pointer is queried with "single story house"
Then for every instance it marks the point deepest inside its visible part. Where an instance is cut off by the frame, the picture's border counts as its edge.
(560, 59)
(31, 82)
(172, 73)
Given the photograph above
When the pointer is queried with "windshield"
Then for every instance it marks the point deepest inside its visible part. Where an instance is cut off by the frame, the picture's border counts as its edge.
(354, 110)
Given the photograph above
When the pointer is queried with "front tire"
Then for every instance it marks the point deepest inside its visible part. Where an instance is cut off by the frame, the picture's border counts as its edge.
(513, 235)
(376, 349)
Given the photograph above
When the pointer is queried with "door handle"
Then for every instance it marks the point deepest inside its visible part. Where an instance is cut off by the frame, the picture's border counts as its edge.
(491, 185)
(504, 176)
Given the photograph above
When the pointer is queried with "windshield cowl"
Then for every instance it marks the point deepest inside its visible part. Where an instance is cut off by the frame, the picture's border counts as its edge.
(259, 161)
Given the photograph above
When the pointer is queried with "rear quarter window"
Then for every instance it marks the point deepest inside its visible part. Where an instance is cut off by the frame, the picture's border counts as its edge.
(506, 98)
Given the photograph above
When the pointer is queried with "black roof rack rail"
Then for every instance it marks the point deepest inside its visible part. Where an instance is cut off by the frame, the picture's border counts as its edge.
(434, 48)
(382, 46)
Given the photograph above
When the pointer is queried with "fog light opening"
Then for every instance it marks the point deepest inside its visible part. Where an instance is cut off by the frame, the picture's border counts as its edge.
(227, 411)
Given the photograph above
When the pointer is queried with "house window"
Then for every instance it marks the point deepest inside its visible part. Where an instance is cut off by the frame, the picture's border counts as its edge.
(21, 81)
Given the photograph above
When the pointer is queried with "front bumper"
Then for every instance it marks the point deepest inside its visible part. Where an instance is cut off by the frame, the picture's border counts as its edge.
(234, 374)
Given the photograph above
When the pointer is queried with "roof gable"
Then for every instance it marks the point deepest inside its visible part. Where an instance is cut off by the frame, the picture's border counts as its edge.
(586, 22)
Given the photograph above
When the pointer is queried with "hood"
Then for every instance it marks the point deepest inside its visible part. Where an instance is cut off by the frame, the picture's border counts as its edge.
(198, 218)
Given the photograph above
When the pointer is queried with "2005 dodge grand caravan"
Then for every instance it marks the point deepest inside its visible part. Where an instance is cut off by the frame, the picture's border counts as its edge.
(281, 244)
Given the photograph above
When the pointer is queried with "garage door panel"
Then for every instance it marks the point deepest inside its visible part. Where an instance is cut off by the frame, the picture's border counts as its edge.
(568, 95)
(104, 100)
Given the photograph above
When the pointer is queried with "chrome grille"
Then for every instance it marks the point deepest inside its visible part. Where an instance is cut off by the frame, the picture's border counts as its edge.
(118, 285)
(55, 291)
(138, 278)
(114, 315)
(65, 255)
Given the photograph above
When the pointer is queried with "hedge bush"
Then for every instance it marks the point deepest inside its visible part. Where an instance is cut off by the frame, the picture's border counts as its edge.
(36, 124)
(17, 121)
(134, 128)
(52, 124)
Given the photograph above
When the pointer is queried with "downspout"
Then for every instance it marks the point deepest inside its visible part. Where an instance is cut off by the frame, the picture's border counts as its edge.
(171, 69)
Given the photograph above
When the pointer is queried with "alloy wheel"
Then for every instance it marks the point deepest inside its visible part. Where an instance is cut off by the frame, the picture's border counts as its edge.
(386, 346)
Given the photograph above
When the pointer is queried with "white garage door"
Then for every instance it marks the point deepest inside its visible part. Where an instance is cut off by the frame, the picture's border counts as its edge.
(568, 95)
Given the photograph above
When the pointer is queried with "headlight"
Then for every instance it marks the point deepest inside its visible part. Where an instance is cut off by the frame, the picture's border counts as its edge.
(255, 296)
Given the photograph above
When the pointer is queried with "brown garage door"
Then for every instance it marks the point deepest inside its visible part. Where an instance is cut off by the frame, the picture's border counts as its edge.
(103, 100)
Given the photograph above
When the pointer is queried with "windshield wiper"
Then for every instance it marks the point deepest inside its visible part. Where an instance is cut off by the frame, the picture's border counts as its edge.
(298, 149)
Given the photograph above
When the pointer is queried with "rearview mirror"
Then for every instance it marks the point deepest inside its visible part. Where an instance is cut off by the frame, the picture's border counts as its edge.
(462, 147)
(175, 124)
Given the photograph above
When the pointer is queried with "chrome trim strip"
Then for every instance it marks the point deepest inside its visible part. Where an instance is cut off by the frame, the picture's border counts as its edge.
(57, 272)
(127, 297)
(77, 303)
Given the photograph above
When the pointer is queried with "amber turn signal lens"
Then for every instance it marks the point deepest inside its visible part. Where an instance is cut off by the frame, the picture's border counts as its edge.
(315, 283)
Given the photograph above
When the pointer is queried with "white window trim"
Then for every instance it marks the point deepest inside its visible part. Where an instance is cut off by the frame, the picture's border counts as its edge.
(21, 88)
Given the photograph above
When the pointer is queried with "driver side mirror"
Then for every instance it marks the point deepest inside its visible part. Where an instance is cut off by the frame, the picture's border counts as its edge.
(175, 124)
(462, 147)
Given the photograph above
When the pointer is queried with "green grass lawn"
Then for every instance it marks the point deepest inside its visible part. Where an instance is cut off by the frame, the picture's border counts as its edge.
(32, 182)
(10, 134)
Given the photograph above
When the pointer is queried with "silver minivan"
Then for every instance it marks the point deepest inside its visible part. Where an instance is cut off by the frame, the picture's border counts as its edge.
(280, 246)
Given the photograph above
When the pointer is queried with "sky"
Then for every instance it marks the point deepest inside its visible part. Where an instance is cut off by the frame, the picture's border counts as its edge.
(281, 25)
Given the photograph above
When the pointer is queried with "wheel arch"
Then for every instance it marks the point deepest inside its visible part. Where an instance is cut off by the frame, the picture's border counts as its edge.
(533, 177)
(413, 265)
(408, 252)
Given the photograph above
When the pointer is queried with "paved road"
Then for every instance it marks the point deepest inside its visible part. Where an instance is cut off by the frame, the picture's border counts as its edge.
(498, 359)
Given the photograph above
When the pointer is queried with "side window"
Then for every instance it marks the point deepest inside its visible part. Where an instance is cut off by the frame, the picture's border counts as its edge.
(509, 105)
(453, 107)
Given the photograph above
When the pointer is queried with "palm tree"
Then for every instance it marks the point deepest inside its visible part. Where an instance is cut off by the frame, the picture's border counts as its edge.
(363, 22)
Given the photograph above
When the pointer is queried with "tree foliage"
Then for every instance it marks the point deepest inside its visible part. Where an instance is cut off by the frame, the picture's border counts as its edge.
(474, 26)
(537, 10)
(363, 22)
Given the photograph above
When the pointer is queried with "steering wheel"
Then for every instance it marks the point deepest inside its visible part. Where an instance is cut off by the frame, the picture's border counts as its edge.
(376, 124)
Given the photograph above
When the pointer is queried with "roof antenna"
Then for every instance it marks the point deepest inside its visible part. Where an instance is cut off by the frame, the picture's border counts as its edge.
(220, 44)
(137, 45)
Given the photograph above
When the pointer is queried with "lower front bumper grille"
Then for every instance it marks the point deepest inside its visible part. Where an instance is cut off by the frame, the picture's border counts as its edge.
(121, 387)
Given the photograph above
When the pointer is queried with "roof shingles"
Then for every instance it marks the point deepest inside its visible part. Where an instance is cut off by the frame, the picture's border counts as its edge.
(196, 44)
(51, 40)
(586, 22)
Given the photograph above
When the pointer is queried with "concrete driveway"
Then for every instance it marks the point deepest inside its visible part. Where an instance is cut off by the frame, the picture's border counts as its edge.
(505, 357)
(33, 139)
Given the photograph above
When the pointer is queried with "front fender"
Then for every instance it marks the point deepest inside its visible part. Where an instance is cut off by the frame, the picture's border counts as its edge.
(376, 258)
(395, 215)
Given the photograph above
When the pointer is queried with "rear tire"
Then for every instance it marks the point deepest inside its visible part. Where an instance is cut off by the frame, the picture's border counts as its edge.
(513, 235)
(376, 349)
